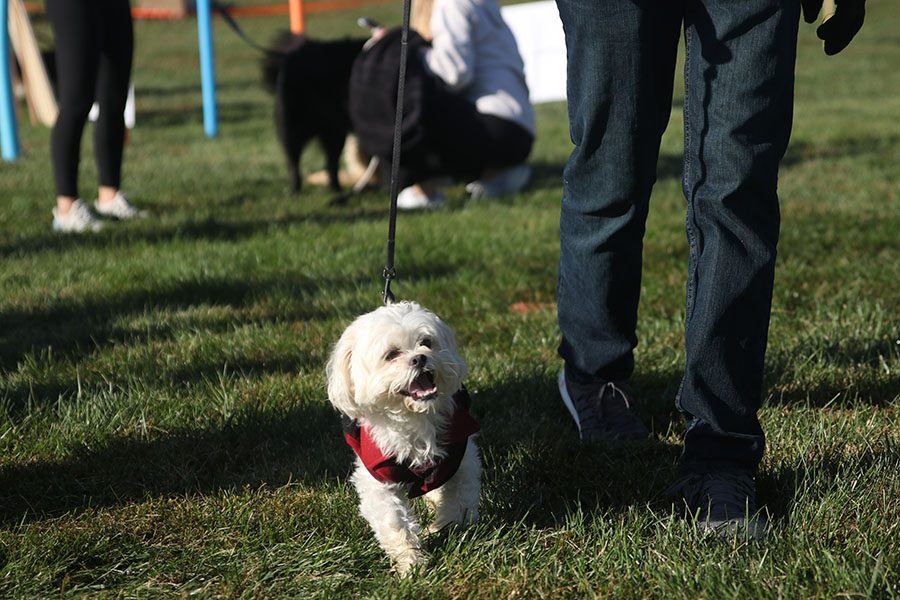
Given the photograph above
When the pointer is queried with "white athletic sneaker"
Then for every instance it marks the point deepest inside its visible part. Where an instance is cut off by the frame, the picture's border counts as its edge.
(413, 198)
(79, 219)
(506, 182)
(119, 208)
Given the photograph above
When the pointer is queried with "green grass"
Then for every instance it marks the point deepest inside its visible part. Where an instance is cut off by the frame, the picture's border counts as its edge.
(163, 422)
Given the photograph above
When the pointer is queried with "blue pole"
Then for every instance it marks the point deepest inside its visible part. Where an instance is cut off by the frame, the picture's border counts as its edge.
(207, 68)
(9, 136)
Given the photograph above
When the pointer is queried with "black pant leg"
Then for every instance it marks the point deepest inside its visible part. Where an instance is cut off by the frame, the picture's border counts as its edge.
(74, 24)
(114, 74)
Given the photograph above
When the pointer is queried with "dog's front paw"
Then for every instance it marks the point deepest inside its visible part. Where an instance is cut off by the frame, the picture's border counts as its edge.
(406, 561)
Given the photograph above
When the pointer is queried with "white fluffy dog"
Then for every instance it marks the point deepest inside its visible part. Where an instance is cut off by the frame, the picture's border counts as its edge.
(396, 376)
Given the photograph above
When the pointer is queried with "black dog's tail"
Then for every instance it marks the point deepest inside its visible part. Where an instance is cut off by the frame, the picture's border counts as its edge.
(271, 62)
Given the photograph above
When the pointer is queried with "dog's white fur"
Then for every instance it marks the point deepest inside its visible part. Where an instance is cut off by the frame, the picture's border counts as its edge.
(370, 373)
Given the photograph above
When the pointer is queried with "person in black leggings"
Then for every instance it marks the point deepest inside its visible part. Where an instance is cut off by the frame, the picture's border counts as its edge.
(94, 47)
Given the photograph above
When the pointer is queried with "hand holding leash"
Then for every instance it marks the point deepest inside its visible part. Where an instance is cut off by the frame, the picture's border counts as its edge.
(841, 21)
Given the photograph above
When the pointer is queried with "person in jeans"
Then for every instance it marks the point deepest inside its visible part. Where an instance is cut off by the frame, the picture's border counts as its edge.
(739, 84)
(94, 46)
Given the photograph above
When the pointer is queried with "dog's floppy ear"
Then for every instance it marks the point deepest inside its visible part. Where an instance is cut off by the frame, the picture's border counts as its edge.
(447, 341)
(337, 371)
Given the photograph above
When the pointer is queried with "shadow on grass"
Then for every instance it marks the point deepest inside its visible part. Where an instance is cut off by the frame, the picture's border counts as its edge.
(801, 151)
(554, 477)
(192, 88)
(78, 326)
(536, 470)
(780, 490)
(209, 229)
(670, 166)
(184, 114)
(18, 400)
(256, 448)
(866, 356)
(547, 175)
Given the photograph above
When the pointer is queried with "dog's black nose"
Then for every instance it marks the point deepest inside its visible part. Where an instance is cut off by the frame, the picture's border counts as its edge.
(418, 360)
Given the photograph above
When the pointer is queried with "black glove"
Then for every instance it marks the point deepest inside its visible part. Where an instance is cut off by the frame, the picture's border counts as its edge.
(839, 29)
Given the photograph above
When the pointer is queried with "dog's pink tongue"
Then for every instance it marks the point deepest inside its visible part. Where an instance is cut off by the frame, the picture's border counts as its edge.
(422, 386)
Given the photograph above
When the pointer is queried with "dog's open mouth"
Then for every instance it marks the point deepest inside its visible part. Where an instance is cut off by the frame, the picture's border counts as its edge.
(422, 387)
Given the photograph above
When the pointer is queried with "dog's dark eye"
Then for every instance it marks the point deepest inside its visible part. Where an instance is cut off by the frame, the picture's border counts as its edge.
(425, 342)
(392, 354)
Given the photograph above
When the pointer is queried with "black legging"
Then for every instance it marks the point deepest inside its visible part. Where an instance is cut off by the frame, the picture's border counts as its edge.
(94, 46)
(462, 142)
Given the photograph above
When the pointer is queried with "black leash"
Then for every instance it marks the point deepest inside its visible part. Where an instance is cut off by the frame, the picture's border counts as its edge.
(389, 273)
(224, 11)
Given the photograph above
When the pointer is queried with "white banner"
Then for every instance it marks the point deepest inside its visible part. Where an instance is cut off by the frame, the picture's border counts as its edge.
(542, 44)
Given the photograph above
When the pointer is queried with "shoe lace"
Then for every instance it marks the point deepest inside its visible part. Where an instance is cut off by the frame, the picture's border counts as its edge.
(610, 390)
(609, 408)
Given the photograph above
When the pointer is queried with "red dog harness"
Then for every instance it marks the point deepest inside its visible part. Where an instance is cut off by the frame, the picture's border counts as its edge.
(431, 476)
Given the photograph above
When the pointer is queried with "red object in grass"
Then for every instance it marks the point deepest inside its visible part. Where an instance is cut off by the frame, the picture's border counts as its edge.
(529, 307)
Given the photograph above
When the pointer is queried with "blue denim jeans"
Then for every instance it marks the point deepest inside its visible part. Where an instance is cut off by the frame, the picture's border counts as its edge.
(739, 82)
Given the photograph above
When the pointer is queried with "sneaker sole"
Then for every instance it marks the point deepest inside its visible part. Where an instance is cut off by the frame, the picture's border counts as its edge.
(66, 230)
(561, 383)
(751, 528)
(108, 215)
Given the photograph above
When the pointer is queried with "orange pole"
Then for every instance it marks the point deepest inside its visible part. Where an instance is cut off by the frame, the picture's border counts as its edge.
(296, 10)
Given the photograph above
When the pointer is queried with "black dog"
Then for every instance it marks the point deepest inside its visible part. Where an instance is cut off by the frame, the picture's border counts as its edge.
(310, 81)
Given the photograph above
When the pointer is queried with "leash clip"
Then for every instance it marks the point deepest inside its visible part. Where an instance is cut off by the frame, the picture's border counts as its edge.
(387, 297)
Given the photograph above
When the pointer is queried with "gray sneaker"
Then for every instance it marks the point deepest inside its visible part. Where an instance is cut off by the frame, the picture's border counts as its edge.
(724, 504)
(119, 208)
(603, 412)
(79, 219)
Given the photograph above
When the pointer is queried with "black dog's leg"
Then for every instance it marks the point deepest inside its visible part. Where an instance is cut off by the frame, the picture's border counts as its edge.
(333, 144)
(287, 134)
(293, 160)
